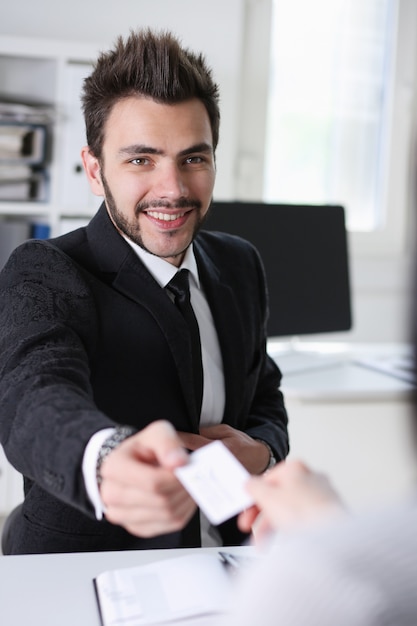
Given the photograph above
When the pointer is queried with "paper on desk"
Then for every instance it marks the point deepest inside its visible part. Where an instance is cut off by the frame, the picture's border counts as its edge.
(216, 481)
(163, 591)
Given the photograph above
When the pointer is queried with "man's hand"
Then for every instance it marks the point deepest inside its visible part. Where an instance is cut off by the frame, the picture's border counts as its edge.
(139, 489)
(289, 495)
(251, 453)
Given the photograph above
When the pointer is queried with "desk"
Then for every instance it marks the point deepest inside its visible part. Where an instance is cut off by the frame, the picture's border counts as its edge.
(334, 372)
(57, 589)
(352, 423)
(349, 421)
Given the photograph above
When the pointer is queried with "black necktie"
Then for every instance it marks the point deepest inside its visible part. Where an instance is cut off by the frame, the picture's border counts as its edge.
(180, 287)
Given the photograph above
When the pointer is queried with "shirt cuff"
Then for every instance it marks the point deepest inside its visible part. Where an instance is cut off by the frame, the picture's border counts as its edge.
(89, 469)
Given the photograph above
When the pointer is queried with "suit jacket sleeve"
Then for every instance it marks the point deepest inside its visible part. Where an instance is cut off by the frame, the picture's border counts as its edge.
(47, 323)
(236, 289)
(267, 417)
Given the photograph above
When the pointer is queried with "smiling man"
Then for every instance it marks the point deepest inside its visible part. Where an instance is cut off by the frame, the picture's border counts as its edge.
(102, 369)
(157, 191)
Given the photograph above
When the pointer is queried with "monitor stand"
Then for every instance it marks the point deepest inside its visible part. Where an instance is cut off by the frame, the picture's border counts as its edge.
(401, 366)
(294, 356)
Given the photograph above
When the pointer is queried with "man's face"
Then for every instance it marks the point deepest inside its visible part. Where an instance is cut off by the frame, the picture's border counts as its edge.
(156, 173)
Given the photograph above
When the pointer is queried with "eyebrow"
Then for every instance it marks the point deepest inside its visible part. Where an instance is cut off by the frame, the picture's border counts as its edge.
(144, 149)
(199, 147)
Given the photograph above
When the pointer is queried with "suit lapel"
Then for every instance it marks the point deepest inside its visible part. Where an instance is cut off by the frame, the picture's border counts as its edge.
(227, 319)
(130, 277)
(135, 282)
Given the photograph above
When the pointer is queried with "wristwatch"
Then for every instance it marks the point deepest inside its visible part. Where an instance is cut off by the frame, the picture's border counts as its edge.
(272, 459)
(120, 434)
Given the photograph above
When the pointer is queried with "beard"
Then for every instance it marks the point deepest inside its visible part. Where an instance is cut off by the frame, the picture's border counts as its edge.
(131, 228)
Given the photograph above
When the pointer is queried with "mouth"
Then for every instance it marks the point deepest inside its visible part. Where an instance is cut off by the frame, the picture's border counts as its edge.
(168, 220)
(165, 217)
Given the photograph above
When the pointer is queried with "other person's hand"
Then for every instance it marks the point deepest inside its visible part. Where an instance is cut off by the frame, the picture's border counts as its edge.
(287, 496)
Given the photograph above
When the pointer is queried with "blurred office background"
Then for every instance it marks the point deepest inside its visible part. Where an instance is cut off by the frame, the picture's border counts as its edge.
(319, 106)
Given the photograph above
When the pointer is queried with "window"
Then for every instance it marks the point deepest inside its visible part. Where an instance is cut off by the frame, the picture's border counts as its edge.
(330, 75)
(328, 111)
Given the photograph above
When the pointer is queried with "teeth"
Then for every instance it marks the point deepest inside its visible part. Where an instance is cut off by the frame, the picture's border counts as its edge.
(166, 217)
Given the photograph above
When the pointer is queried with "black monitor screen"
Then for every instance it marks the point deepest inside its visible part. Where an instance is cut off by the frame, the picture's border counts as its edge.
(304, 251)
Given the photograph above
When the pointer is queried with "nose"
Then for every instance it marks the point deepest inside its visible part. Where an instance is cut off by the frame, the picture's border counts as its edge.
(171, 182)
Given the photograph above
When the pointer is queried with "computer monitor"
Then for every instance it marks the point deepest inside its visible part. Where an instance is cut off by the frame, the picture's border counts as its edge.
(305, 254)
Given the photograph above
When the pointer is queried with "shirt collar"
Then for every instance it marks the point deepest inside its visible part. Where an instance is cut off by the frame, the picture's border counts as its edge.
(162, 270)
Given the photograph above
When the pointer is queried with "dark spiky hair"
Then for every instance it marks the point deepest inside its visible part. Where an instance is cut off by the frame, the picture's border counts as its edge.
(150, 64)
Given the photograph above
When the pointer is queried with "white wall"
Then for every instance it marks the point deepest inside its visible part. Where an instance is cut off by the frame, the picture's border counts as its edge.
(214, 28)
(380, 286)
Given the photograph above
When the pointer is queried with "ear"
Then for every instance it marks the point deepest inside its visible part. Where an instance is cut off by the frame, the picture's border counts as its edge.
(92, 169)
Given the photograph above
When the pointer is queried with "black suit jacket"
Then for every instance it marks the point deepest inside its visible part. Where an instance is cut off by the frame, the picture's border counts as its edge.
(89, 339)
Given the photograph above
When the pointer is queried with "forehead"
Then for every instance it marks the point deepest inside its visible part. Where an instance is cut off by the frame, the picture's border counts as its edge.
(145, 121)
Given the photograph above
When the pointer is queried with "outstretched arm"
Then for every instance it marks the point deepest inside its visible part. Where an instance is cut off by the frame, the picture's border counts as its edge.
(138, 487)
(289, 495)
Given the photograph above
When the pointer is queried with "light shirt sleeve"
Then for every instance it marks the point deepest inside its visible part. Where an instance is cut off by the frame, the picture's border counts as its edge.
(89, 469)
(356, 570)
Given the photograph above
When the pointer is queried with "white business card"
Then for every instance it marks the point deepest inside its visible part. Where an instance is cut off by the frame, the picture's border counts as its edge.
(216, 480)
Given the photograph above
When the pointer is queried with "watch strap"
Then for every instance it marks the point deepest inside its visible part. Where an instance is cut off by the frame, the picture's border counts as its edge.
(272, 458)
(110, 443)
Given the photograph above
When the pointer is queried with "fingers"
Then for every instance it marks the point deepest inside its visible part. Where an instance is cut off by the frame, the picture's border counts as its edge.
(135, 461)
(161, 440)
(191, 441)
(264, 494)
(217, 431)
(291, 494)
(148, 515)
(253, 521)
(139, 489)
(247, 518)
(261, 530)
(252, 454)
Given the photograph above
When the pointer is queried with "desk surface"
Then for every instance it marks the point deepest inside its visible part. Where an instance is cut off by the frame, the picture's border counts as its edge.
(57, 589)
(337, 372)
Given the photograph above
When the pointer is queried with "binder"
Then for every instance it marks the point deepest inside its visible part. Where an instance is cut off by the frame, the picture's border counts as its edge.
(12, 234)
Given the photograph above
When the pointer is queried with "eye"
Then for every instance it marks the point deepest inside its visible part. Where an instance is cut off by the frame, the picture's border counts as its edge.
(194, 159)
(139, 161)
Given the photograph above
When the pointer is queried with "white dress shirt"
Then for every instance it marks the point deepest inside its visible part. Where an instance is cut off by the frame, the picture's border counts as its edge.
(213, 401)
